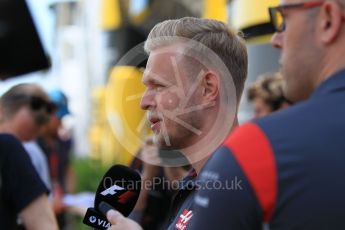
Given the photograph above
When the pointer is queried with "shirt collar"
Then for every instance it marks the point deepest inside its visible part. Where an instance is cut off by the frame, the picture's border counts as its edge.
(334, 83)
(188, 182)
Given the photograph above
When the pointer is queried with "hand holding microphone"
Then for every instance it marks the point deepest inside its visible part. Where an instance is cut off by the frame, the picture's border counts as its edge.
(119, 222)
(119, 189)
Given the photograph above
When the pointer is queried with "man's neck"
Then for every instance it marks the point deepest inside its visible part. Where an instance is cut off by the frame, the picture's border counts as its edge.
(334, 62)
(198, 165)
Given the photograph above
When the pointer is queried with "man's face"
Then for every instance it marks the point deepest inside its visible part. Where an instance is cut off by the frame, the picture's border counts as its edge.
(52, 127)
(166, 98)
(299, 51)
(261, 108)
(24, 125)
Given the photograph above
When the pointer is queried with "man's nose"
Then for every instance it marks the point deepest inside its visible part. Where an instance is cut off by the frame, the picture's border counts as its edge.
(277, 40)
(147, 100)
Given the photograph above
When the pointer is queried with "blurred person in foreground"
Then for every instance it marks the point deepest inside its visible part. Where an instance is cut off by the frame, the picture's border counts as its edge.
(24, 109)
(289, 163)
(27, 125)
(56, 144)
(266, 94)
(194, 80)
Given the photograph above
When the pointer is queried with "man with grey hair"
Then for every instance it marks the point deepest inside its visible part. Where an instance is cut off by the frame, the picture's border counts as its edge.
(194, 81)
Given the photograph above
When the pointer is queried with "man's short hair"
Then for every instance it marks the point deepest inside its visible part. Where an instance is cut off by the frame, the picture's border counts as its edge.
(215, 35)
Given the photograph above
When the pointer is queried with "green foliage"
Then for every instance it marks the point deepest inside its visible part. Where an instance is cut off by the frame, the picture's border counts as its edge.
(89, 173)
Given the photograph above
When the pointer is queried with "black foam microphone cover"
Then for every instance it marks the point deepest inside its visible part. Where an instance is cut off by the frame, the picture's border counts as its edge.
(120, 188)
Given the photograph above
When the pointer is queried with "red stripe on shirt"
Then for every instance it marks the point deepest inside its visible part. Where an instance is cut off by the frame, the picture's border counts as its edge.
(254, 154)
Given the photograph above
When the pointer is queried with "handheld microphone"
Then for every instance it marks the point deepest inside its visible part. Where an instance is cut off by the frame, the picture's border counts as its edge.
(119, 189)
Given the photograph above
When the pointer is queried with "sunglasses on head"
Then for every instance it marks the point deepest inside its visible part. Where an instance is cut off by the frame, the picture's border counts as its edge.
(35, 102)
(42, 109)
(38, 103)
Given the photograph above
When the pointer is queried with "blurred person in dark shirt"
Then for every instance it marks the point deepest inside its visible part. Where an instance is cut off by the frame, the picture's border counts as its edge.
(24, 109)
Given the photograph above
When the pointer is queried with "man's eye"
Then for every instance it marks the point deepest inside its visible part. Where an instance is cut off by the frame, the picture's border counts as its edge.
(159, 87)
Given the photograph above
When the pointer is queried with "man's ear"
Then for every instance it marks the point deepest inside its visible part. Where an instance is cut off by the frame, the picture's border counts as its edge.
(210, 85)
(330, 19)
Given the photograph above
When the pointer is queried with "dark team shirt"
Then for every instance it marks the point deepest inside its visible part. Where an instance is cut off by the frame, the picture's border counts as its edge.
(181, 211)
(291, 168)
(19, 185)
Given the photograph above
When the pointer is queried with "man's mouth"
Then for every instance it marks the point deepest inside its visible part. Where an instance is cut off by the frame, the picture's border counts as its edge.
(155, 123)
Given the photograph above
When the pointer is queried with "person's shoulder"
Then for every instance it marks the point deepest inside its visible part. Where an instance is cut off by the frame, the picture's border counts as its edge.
(9, 144)
(261, 130)
(8, 139)
(291, 113)
(275, 131)
(281, 121)
(13, 152)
